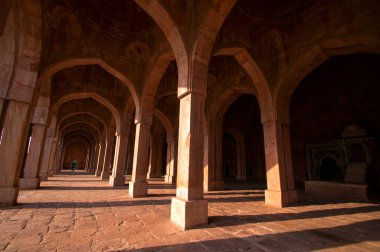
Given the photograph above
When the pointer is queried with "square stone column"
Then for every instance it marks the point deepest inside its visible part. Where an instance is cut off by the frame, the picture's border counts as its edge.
(117, 178)
(280, 181)
(48, 146)
(57, 164)
(101, 153)
(170, 163)
(138, 186)
(12, 149)
(52, 157)
(155, 160)
(188, 208)
(29, 178)
(213, 177)
(107, 158)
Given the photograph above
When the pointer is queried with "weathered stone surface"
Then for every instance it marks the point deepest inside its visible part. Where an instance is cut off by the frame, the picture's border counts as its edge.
(238, 219)
(230, 90)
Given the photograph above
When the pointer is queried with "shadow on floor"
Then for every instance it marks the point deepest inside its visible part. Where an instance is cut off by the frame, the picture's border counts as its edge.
(76, 180)
(305, 199)
(304, 240)
(236, 192)
(70, 173)
(83, 188)
(161, 195)
(160, 186)
(91, 204)
(235, 199)
(234, 220)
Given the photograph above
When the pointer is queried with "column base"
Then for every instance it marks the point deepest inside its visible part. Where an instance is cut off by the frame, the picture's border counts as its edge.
(105, 175)
(117, 181)
(280, 198)
(8, 196)
(213, 185)
(98, 173)
(138, 189)
(188, 214)
(169, 179)
(29, 183)
(154, 175)
(43, 177)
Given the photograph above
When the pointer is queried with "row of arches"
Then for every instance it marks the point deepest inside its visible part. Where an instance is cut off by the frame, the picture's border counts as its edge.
(203, 145)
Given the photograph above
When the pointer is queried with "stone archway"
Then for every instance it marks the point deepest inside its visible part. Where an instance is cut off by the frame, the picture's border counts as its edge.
(334, 126)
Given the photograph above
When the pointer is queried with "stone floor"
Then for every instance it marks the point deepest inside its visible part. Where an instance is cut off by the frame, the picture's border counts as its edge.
(81, 213)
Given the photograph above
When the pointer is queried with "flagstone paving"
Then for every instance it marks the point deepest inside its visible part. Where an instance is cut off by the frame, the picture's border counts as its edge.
(82, 213)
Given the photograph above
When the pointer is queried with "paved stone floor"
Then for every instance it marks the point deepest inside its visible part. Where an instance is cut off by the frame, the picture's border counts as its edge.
(81, 213)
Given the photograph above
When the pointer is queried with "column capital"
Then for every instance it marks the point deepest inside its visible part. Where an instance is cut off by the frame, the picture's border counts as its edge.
(194, 78)
(191, 92)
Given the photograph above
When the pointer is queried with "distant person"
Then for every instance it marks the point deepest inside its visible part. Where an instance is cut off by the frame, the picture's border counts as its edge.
(74, 165)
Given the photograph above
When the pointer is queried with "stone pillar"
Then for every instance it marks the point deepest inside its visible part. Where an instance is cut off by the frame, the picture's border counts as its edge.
(12, 149)
(101, 153)
(63, 157)
(30, 179)
(280, 180)
(107, 158)
(130, 159)
(213, 176)
(52, 157)
(138, 186)
(117, 178)
(95, 158)
(49, 139)
(150, 161)
(155, 160)
(188, 208)
(57, 166)
(89, 160)
(170, 163)
(241, 160)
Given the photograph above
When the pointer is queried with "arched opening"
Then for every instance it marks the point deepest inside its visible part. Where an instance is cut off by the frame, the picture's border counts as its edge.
(75, 151)
(329, 170)
(243, 144)
(335, 127)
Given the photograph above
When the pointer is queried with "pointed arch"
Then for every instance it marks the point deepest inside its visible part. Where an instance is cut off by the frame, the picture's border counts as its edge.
(78, 123)
(167, 124)
(311, 59)
(258, 79)
(80, 113)
(95, 96)
(54, 68)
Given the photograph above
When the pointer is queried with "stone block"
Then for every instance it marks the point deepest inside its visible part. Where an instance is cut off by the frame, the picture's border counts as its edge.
(169, 179)
(105, 175)
(117, 181)
(213, 185)
(188, 214)
(8, 196)
(138, 189)
(280, 198)
(29, 183)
